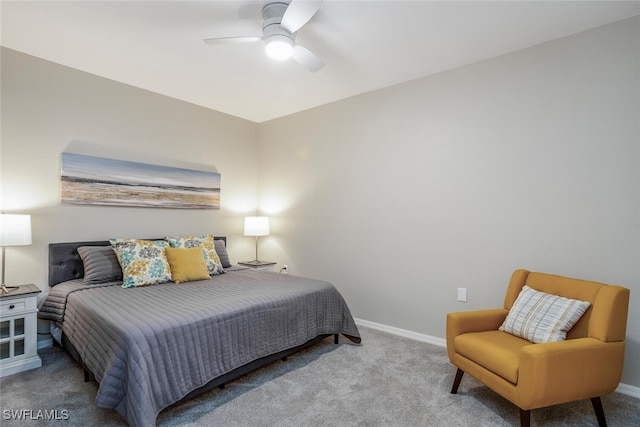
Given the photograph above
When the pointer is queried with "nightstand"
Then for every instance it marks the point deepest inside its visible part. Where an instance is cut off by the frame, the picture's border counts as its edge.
(258, 265)
(18, 330)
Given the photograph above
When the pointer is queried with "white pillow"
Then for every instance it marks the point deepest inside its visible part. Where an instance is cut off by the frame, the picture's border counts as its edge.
(540, 317)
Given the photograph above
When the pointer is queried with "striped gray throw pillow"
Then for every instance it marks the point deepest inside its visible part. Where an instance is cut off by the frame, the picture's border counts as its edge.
(100, 264)
(540, 317)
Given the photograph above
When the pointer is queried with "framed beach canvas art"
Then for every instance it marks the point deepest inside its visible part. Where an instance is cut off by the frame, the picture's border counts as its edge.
(90, 180)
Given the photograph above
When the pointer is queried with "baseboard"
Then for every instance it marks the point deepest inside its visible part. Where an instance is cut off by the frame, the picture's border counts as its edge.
(629, 390)
(47, 342)
(440, 342)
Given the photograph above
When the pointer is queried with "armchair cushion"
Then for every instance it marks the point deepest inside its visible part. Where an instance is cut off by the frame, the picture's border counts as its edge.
(540, 317)
(497, 351)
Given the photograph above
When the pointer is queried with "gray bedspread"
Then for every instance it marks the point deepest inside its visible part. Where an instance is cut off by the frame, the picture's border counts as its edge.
(149, 347)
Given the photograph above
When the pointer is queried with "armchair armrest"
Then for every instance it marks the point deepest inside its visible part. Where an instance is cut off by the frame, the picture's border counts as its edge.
(473, 321)
(568, 370)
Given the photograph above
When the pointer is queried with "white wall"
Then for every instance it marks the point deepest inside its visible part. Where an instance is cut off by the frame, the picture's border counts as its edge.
(48, 109)
(529, 160)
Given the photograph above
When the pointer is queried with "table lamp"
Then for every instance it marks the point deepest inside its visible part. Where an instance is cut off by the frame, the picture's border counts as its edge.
(15, 230)
(256, 226)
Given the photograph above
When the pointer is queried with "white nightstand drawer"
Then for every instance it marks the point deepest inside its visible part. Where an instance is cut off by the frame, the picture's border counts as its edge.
(17, 306)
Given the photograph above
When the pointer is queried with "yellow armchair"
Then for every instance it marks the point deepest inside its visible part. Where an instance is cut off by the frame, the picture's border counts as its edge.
(588, 364)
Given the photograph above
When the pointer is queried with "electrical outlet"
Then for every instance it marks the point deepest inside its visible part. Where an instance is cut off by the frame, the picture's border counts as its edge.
(462, 294)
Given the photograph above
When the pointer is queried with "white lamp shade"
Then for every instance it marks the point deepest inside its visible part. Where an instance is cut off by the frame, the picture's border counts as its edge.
(256, 226)
(15, 230)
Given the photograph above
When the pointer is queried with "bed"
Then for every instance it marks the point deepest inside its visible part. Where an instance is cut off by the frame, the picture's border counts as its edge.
(152, 346)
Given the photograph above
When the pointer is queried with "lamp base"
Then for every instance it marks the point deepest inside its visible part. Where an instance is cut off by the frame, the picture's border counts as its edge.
(255, 262)
(4, 289)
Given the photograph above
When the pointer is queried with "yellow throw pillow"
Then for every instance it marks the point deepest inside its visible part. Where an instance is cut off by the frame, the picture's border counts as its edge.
(206, 241)
(187, 264)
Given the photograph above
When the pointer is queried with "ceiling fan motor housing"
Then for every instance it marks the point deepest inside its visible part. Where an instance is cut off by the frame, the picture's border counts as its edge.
(271, 29)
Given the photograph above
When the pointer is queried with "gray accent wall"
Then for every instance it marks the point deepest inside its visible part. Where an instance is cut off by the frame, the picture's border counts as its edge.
(529, 160)
(398, 196)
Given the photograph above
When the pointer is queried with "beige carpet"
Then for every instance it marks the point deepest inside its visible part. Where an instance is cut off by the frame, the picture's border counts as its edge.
(387, 381)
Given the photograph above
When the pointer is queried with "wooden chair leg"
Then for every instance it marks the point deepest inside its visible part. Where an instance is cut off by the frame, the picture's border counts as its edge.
(456, 381)
(597, 408)
(525, 418)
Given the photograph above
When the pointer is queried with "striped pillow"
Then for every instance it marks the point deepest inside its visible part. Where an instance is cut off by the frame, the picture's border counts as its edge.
(540, 317)
(100, 264)
(221, 250)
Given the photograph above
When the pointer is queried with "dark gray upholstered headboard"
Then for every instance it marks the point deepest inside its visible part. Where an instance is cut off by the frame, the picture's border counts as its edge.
(65, 262)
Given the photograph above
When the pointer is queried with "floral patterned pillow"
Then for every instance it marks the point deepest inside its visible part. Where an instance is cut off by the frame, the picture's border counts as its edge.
(143, 262)
(211, 258)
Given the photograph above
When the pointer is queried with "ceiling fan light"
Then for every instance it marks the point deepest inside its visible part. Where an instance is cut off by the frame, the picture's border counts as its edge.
(279, 47)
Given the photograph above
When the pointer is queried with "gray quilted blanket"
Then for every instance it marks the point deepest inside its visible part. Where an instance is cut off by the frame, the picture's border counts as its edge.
(149, 347)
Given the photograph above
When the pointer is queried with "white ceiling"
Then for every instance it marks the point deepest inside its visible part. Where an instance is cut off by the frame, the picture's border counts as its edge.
(366, 45)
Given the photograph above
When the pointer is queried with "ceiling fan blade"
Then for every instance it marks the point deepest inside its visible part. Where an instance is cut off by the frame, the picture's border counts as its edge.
(306, 58)
(229, 40)
(299, 13)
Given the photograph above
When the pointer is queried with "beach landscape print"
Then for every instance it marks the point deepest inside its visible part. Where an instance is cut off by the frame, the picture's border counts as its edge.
(90, 180)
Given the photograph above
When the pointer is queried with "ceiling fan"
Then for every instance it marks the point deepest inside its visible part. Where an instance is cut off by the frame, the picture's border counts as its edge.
(281, 24)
